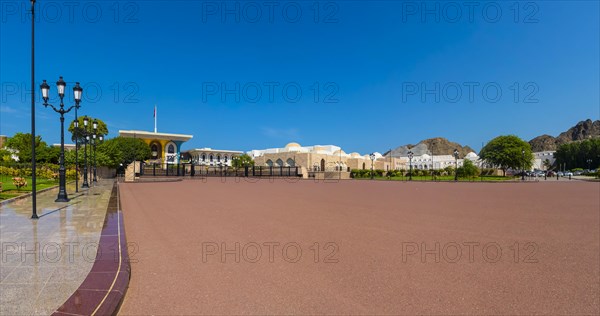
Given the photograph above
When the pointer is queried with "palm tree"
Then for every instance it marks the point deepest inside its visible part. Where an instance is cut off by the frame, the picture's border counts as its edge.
(547, 164)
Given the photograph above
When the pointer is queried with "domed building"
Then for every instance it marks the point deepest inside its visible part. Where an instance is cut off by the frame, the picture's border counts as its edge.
(319, 158)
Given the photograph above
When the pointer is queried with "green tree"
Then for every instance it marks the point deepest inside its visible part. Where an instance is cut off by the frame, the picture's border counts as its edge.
(547, 164)
(449, 170)
(242, 161)
(506, 152)
(102, 128)
(576, 154)
(121, 150)
(468, 169)
(5, 155)
(21, 142)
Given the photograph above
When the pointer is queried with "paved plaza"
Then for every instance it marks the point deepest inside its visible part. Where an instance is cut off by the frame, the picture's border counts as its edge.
(44, 261)
(362, 247)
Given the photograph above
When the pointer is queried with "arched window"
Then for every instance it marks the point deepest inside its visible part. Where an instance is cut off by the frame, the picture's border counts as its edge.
(225, 158)
(291, 162)
(171, 149)
(203, 157)
(269, 163)
(211, 158)
(279, 162)
(218, 158)
(154, 150)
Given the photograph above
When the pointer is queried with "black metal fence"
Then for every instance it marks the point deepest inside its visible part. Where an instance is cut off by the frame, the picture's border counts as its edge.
(191, 170)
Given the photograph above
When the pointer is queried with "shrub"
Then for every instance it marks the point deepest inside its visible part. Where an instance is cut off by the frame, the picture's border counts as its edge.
(19, 182)
(468, 169)
(9, 171)
(394, 173)
(70, 174)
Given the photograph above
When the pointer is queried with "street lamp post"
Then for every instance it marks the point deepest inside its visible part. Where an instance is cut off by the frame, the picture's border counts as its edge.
(61, 85)
(94, 141)
(76, 133)
(85, 160)
(94, 137)
(523, 166)
(372, 156)
(33, 180)
(77, 92)
(410, 157)
(589, 161)
(455, 164)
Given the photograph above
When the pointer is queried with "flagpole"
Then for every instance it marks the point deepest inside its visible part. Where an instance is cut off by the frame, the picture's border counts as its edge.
(155, 130)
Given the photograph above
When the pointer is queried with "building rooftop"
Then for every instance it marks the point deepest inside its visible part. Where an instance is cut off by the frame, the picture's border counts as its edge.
(152, 135)
(215, 150)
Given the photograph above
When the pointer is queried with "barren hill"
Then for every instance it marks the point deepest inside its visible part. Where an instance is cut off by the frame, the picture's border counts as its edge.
(583, 130)
(435, 146)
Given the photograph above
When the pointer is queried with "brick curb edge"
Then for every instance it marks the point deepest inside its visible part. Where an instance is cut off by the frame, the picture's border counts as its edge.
(103, 290)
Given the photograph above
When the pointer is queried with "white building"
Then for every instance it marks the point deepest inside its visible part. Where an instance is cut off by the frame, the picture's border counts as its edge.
(540, 157)
(437, 162)
(212, 157)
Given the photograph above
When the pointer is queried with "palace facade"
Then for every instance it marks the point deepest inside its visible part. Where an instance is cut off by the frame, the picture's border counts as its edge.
(164, 147)
(333, 158)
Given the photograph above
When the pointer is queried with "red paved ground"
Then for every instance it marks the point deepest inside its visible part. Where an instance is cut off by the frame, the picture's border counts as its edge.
(369, 222)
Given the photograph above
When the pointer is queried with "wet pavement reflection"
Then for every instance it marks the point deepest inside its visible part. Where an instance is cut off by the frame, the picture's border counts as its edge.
(44, 261)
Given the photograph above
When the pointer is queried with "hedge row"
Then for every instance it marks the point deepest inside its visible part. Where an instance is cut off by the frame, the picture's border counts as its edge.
(44, 171)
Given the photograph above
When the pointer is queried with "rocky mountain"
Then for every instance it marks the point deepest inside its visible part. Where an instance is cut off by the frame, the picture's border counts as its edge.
(435, 146)
(583, 130)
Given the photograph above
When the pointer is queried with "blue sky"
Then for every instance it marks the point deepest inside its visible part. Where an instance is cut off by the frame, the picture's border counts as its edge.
(364, 75)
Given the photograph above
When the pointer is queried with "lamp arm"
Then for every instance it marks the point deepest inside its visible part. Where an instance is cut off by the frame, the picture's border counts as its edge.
(52, 106)
(69, 109)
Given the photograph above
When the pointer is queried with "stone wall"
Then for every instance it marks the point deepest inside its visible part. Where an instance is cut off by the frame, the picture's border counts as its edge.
(129, 175)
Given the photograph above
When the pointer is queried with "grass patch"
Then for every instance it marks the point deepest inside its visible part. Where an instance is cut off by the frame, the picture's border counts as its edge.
(9, 190)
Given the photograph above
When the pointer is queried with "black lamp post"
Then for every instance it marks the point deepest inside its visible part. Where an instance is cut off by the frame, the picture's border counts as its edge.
(85, 160)
(60, 85)
(94, 138)
(410, 157)
(76, 133)
(523, 166)
(77, 92)
(589, 161)
(455, 164)
(33, 180)
(372, 156)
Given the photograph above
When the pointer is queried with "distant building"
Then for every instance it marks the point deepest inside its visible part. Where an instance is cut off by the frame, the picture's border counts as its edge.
(211, 157)
(540, 157)
(164, 147)
(436, 162)
(68, 147)
(3, 139)
(317, 158)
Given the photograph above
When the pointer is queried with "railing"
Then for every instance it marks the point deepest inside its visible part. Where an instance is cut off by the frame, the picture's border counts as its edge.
(191, 170)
